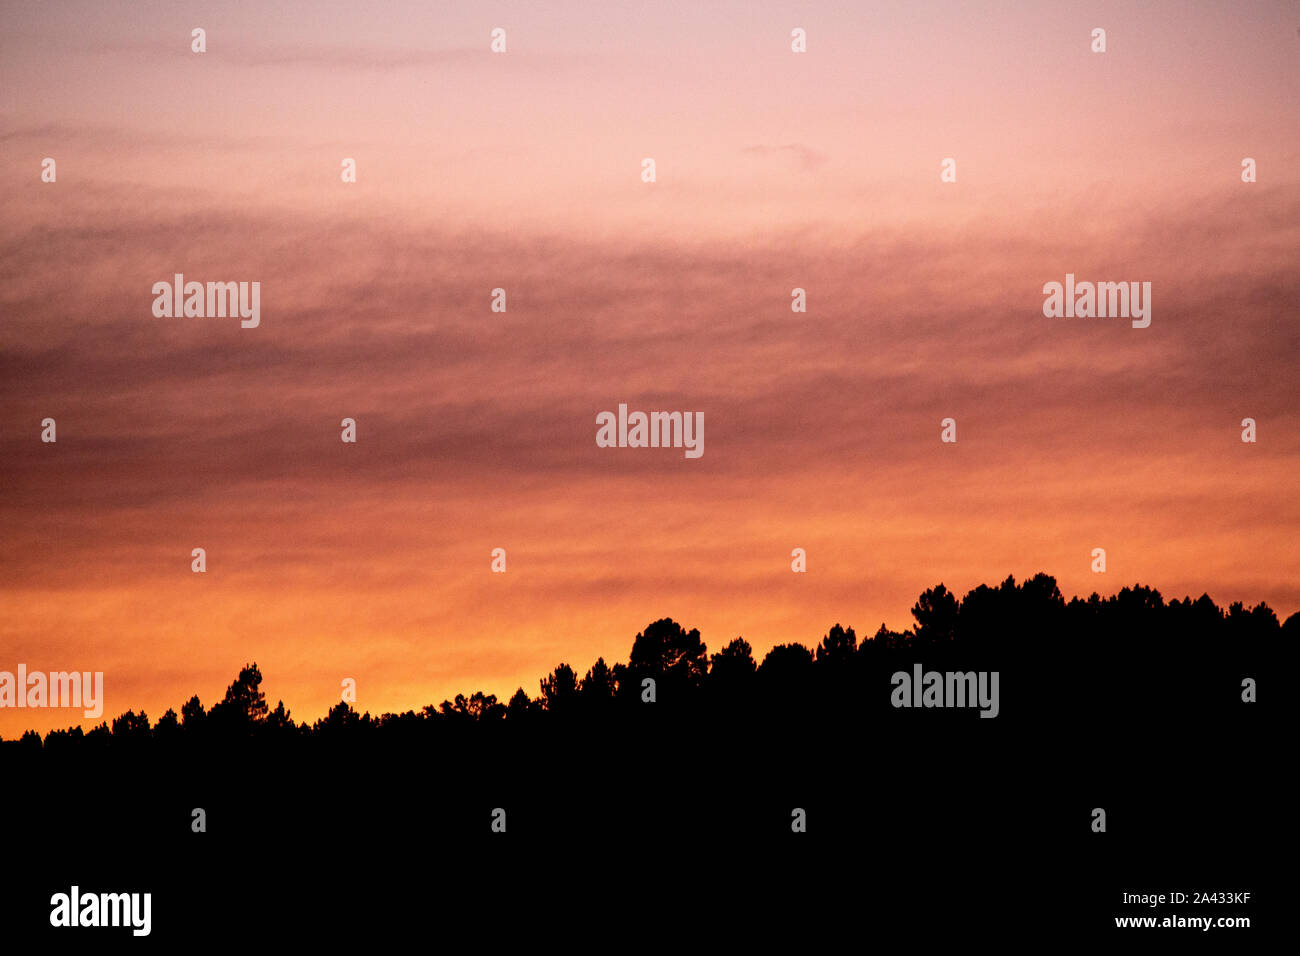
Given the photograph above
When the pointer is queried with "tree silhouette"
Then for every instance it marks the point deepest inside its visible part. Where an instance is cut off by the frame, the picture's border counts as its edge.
(936, 615)
(279, 723)
(675, 658)
(732, 667)
(244, 706)
(473, 709)
(521, 707)
(168, 727)
(599, 684)
(1179, 653)
(131, 727)
(560, 689)
(1291, 629)
(340, 723)
(838, 647)
(786, 664)
(193, 716)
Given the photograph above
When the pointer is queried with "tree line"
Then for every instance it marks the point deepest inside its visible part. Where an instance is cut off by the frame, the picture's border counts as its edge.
(1009, 625)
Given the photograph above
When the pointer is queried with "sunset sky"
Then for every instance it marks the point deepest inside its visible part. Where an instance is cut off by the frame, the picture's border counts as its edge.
(476, 429)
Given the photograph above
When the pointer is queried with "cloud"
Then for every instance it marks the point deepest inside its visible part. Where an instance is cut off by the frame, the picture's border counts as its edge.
(477, 429)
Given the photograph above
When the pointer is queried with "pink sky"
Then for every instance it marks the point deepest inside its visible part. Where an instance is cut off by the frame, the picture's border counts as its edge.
(476, 430)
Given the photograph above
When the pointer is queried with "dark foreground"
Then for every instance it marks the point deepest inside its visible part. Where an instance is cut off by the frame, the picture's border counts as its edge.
(965, 829)
(592, 819)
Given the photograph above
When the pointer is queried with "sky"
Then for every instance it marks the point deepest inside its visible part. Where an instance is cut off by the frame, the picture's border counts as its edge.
(476, 429)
